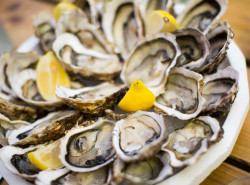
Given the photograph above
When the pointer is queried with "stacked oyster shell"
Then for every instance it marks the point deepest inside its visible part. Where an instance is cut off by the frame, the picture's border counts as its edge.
(104, 48)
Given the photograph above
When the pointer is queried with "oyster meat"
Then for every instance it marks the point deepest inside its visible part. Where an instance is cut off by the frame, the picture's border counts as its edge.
(85, 149)
(194, 48)
(139, 136)
(220, 91)
(151, 61)
(186, 145)
(149, 171)
(92, 100)
(89, 63)
(200, 14)
(66, 177)
(122, 25)
(182, 97)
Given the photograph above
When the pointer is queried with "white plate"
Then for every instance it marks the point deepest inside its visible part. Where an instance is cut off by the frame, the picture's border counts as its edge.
(215, 155)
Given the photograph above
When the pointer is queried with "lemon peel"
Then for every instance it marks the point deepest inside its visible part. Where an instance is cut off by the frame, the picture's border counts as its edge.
(50, 73)
(63, 7)
(138, 97)
(160, 21)
(46, 157)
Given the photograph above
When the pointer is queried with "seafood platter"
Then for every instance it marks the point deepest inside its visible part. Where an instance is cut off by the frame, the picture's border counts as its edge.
(100, 96)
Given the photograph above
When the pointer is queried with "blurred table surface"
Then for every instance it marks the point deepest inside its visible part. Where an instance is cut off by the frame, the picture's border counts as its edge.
(15, 16)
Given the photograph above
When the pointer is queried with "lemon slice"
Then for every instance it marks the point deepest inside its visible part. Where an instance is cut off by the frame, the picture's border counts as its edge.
(138, 97)
(63, 7)
(50, 73)
(46, 156)
(160, 20)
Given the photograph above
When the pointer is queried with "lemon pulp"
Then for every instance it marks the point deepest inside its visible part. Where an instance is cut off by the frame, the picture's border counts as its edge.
(46, 157)
(50, 73)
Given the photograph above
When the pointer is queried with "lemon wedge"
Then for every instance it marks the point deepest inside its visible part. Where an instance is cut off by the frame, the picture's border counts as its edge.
(63, 7)
(160, 21)
(50, 73)
(138, 97)
(46, 156)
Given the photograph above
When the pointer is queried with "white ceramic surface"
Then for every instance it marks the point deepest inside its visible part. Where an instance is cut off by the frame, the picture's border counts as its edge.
(215, 155)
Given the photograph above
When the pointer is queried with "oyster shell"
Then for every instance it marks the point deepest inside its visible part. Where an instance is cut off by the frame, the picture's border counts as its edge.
(85, 149)
(90, 35)
(22, 78)
(122, 25)
(220, 91)
(44, 25)
(149, 171)
(194, 48)
(51, 127)
(139, 136)
(89, 63)
(151, 61)
(186, 145)
(92, 100)
(219, 36)
(66, 177)
(4, 83)
(16, 161)
(201, 14)
(182, 97)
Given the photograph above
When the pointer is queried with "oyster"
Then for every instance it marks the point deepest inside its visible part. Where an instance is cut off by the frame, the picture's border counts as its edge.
(186, 145)
(194, 48)
(147, 6)
(149, 171)
(92, 100)
(16, 161)
(4, 83)
(89, 148)
(22, 78)
(90, 35)
(139, 136)
(51, 127)
(201, 14)
(89, 63)
(219, 36)
(66, 177)
(88, 7)
(122, 25)
(182, 97)
(220, 91)
(151, 61)
(45, 29)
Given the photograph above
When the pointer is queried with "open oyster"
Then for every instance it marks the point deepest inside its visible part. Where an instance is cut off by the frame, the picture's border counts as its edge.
(194, 48)
(22, 78)
(219, 36)
(4, 84)
(151, 61)
(182, 97)
(89, 63)
(16, 161)
(45, 29)
(51, 127)
(90, 35)
(186, 145)
(92, 100)
(149, 171)
(85, 149)
(220, 91)
(122, 25)
(66, 177)
(201, 14)
(147, 6)
(139, 136)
